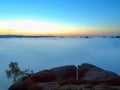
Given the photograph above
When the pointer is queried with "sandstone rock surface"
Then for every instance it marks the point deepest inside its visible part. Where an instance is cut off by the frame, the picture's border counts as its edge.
(49, 79)
(91, 73)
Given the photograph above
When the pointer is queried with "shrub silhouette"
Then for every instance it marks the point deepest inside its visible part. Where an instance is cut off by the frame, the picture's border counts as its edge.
(16, 73)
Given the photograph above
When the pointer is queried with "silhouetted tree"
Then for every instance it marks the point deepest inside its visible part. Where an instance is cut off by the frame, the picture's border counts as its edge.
(16, 73)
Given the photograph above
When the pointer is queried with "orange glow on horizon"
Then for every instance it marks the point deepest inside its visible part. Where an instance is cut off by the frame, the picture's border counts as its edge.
(36, 28)
(60, 33)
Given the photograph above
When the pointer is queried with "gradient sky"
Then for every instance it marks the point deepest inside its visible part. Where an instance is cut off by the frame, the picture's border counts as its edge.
(72, 17)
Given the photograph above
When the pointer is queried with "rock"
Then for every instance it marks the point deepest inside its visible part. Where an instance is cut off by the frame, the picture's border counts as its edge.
(70, 87)
(88, 87)
(49, 85)
(65, 72)
(55, 74)
(44, 76)
(75, 87)
(105, 87)
(20, 85)
(87, 74)
(94, 74)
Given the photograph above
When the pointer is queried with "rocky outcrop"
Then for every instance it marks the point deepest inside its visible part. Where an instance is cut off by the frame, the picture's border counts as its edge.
(95, 75)
(54, 74)
(75, 87)
(43, 76)
(49, 86)
(21, 85)
(88, 74)
(64, 72)
(88, 87)
(105, 87)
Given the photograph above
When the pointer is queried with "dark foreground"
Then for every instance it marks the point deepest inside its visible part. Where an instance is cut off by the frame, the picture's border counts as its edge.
(70, 77)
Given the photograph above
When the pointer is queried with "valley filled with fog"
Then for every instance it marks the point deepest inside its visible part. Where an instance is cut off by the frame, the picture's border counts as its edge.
(44, 53)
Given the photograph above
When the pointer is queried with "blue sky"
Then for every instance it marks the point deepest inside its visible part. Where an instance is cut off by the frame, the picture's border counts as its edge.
(76, 13)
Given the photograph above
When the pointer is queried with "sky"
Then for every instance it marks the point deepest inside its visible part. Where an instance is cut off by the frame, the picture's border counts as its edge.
(59, 17)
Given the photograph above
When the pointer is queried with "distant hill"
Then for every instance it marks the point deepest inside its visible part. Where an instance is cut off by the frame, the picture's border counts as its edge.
(23, 36)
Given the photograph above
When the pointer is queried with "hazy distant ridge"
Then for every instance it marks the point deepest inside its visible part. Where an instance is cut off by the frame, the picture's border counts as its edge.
(23, 36)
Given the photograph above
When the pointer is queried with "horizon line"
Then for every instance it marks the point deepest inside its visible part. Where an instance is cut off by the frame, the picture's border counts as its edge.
(56, 35)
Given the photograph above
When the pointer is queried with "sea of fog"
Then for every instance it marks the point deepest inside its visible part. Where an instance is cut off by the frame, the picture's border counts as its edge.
(45, 53)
